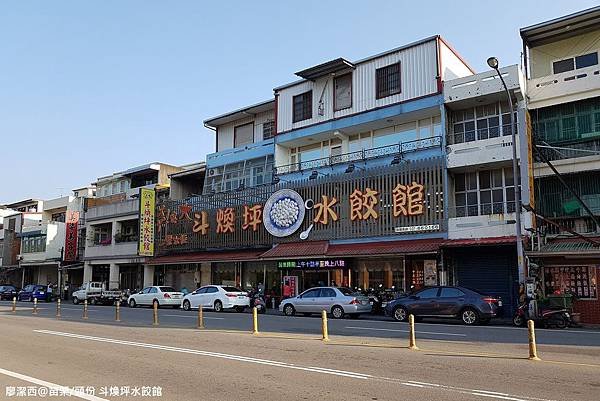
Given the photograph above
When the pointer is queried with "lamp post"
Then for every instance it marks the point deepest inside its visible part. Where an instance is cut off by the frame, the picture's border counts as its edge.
(493, 63)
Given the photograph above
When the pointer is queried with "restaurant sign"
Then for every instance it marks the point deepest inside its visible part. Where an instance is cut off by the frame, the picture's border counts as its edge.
(311, 264)
(147, 212)
(383, 201)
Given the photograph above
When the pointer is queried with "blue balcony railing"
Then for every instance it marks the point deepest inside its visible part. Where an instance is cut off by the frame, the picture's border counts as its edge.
(362, 155)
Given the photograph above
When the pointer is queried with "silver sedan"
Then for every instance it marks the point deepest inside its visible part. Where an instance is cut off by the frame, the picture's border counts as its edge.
(339, 301)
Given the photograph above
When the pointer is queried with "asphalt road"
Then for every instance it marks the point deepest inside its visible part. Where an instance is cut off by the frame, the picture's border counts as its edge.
(214, 365)
(367, 326)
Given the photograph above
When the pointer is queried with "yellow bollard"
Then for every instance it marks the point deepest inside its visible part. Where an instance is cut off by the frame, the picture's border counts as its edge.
(117, 311)
(14, 305)
(324, 326)
(58, 308)
(85, 309)
(255, 321)
(412, 341)
(155, 313)
(35, 311)
(200, 317)
(533, 356)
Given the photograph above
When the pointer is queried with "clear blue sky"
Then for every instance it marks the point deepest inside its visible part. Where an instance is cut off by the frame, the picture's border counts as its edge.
(88, 88)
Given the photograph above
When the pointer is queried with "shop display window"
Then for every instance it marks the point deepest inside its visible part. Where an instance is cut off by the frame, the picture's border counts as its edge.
(580, 280)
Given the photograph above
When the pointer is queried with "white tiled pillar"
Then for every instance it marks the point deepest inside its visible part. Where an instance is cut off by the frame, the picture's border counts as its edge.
(113, 276)
(87, 272)
(148, 275)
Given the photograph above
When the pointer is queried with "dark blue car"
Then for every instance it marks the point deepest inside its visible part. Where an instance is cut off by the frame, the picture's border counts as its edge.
(32, 291)
(470, 306)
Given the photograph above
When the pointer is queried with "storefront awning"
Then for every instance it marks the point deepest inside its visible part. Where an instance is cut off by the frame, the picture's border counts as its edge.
(385, 248)
(297, 250)
(568, 248)
(451, 243)
(322, 249)
(209, 256)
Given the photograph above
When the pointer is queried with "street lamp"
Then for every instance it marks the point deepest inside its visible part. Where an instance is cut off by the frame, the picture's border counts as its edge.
(493, 63)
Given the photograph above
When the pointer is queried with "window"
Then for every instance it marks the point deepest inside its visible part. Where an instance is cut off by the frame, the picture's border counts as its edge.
(201, 291)
(327, 293)
(483, 193)
(33, 244)
(167, 289)
(563, 65)
(268, 129)
(342, 92)
(60, 217)
(211, 290)
(302, 107)
(122, 186)
(387, 81)
(482, 122)
(580, 280)
(243, 134)
(11, 224)
(311, 293)
(153, 290)
(451, 293)
(428, 293)
(586, 60)
(574, 63)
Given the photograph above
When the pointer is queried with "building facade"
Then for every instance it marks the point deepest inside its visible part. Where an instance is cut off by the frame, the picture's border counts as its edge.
(360, 174)
(563, 93)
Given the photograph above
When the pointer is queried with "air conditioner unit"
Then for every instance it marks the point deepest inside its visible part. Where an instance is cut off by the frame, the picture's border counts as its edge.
(212, 172)
(19, 257)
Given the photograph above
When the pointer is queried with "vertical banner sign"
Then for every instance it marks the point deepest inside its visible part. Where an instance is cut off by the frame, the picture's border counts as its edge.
(430, 272)
(147, 202)
(72, 223)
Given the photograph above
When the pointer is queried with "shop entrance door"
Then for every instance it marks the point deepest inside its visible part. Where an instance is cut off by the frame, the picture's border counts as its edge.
(317, 278)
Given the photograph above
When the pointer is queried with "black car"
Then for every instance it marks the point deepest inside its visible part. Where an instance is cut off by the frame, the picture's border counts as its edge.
(471, 306)
(8, 292)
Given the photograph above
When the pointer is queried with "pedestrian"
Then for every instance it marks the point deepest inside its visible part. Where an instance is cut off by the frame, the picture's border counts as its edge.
(49, 293)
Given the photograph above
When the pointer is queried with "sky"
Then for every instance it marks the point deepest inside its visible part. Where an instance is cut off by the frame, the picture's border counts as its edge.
(88, 88)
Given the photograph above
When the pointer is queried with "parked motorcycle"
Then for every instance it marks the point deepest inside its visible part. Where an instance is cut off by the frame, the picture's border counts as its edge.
(257, 300)
(559, 318)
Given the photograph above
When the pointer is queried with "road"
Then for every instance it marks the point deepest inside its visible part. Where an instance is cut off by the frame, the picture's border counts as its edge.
(376, 327)
(187, 364)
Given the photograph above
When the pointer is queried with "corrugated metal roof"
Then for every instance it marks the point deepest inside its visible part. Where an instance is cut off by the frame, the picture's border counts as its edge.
(386, 248)
(479, 241)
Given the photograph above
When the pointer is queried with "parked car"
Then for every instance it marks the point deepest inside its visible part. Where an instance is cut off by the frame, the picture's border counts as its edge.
(8, 292)
(96, 293)
(339, 301)
(217, 298)
(32, 291)
(471, 306)
(158, 294)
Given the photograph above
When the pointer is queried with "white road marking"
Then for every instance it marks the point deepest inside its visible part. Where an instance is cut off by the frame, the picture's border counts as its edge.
(405, 331)
(195, 317)
(49, 385)
(314, 369)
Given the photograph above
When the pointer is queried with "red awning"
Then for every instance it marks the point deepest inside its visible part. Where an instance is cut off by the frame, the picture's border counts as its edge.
(382, 248)
(208, 256)
(479, 241)
(297, 250)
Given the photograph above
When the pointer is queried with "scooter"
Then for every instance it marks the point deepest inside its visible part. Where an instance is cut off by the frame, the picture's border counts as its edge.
(257, 300)
(559, 318)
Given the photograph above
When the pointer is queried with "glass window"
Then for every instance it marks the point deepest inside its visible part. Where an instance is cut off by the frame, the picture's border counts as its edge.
(563, 66)
(343, 92)
(428, 293)
(243, 134)
(327, 293)
(586, 60)
(152, 290)
(580, 280)
(424, 129)
(311, 293)
(385, 137)
(302, 107)
(202, 290)
(232, 289)
(167, 289)
(211, 290)
(387, 80)
(451, 293)
(310, 152)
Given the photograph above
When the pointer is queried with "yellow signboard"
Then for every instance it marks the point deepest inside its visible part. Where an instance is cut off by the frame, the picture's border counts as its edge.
(147, 203)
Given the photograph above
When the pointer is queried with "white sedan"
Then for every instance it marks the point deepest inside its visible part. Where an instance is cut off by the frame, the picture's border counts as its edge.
(216, 297)
(161, 295)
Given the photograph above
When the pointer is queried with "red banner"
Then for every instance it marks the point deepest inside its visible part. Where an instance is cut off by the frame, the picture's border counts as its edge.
(72, 223)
